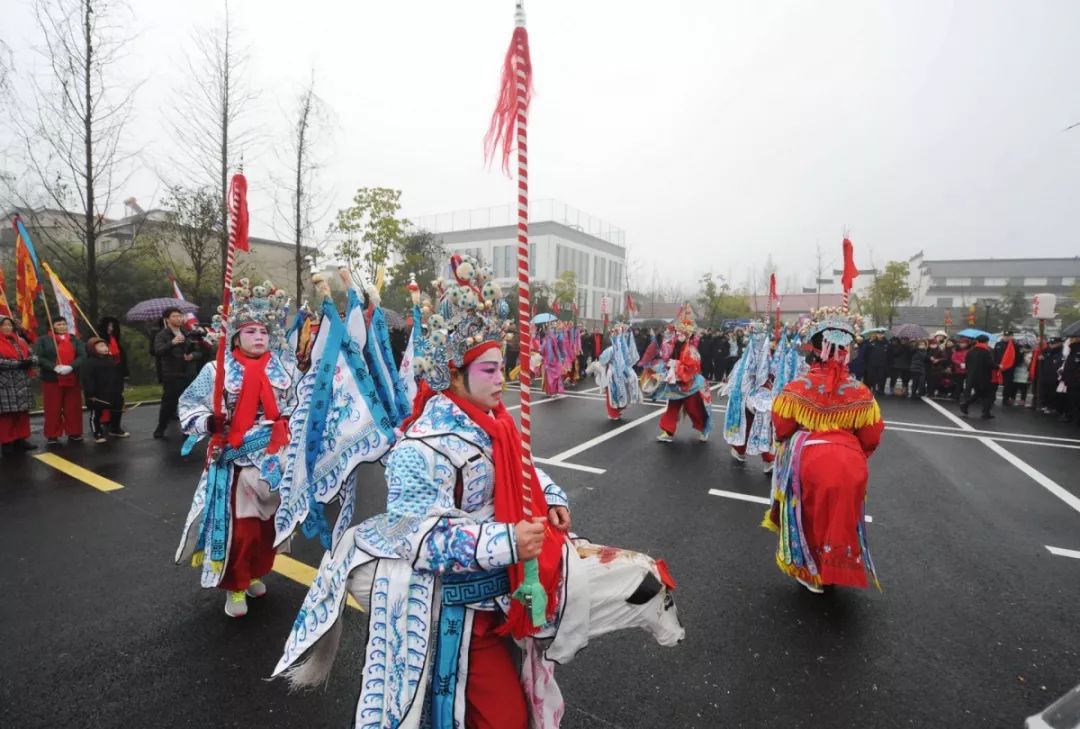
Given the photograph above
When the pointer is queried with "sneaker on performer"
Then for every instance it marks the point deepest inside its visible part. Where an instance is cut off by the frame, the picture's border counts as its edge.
(768, 468)
(99, 438)
(236, 604)
(119, 433)
(257, 588)
(52, 441)
(703, 437)
(812, 588)
(741, 458)
(664, 437)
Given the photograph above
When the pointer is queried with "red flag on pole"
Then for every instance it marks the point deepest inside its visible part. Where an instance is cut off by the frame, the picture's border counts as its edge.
(851, 271)
(239, 216)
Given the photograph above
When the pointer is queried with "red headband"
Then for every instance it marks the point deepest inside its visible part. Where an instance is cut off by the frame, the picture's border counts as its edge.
(473, 354)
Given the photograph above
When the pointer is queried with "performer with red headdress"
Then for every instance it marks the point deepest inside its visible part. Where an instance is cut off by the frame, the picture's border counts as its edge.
(827, 424)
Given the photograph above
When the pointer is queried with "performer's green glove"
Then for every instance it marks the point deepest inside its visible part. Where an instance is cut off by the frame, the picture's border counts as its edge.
(531, 592)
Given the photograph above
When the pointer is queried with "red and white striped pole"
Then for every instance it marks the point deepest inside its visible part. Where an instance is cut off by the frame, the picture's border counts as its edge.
(522, 70)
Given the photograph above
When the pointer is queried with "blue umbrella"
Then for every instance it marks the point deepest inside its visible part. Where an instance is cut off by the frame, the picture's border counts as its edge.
(972, 333)
(544, 318)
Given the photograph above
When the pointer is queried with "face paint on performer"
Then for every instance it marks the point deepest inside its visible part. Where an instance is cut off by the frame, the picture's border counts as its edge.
(481, 382)
(253, 339)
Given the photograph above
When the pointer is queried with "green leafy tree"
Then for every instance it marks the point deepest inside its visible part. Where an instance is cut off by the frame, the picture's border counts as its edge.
(195, 225)
(889, 290)
(371, 228)
(717, 302)
(1014, 308)
(564, 290)
(1069, 309)
(419, 253)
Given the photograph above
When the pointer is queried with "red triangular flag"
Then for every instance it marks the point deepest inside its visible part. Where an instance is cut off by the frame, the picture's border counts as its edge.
(851, 271)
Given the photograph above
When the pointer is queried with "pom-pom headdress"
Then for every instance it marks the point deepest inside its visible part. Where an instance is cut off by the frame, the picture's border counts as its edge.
(837, 328)
(685, 321)
(466, 316)
(261, 304)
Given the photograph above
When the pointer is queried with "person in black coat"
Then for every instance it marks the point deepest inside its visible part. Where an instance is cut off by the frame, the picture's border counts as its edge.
(877, 363)
(103, 387)
(980, 367)
(899, 366)
(1070, 375)
(1046, 373)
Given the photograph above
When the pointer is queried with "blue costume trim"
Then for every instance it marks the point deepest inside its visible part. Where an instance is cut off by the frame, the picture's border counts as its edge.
(216, 516)
(458, 590)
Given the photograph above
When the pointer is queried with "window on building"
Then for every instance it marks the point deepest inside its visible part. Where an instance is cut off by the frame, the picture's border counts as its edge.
(1068, 281)
(1035, 281)
(995, 282)
(959, 281)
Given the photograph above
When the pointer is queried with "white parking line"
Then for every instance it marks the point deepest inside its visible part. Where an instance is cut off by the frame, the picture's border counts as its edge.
(1028, 470)
(758, 499)
(1075, 554)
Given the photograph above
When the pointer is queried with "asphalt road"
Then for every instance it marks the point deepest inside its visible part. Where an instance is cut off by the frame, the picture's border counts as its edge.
(976, 626)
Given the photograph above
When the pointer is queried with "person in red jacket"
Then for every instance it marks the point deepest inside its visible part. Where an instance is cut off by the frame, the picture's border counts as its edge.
(60, 355)
(827, 425)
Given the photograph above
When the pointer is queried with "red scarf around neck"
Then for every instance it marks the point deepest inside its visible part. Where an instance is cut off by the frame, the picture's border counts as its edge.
(510, 509)
(13, 347)
(254, 391)
(114, 349)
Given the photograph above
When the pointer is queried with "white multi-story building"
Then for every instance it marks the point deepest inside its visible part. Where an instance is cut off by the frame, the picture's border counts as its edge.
(561, 238)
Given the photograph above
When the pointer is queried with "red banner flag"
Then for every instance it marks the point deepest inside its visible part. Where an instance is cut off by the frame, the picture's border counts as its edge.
(5, 307)
(239, 212)
(27, 287)
(851, 271)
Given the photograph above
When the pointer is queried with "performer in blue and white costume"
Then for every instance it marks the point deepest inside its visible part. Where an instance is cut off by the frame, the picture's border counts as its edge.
(759, 375)
(614, 372)
(229, 531)
(434, 571)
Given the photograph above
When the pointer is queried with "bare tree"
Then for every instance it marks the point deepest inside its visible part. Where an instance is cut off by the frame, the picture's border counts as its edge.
(72, 131)
(304, 205)
(208, 112)
(194, 224)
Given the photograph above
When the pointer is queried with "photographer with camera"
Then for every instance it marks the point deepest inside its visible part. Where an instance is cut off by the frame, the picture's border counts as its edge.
(179, 356)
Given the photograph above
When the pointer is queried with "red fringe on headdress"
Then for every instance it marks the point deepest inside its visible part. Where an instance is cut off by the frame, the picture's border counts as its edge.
(503, 127)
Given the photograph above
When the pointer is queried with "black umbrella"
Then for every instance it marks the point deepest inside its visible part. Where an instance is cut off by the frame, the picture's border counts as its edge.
(1073, 330)
(154, 309)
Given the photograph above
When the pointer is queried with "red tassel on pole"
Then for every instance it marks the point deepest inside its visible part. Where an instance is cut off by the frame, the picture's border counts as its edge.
(516, 77)
(851, 271)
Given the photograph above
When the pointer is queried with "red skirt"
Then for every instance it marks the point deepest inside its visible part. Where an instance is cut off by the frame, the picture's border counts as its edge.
(14, 427)
(834, 478)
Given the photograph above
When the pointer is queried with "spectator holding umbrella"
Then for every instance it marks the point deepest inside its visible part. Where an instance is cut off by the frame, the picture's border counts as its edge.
(60, 356)
(15, 399)
(179, 361)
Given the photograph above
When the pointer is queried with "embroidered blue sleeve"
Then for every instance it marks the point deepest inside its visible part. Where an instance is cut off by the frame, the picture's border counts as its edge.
(421, 483)
(197, 402)
(553, 494)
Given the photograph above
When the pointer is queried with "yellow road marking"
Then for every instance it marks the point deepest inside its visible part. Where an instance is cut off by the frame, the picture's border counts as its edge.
(304, 574)
(283, 564)
(78, 472)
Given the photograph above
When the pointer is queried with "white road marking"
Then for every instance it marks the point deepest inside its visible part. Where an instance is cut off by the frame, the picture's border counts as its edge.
(993, 433)
(1075, 554)
(740, 497)
(570, 453)
(1028, 470)
(952, 433)
(538, 402)
(572, 466)
(755, 499)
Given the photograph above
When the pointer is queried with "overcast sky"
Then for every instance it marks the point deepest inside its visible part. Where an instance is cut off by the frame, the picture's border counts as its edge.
(714, 133)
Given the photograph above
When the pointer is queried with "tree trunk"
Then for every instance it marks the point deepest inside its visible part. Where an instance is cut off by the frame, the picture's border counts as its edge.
(88, 142)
